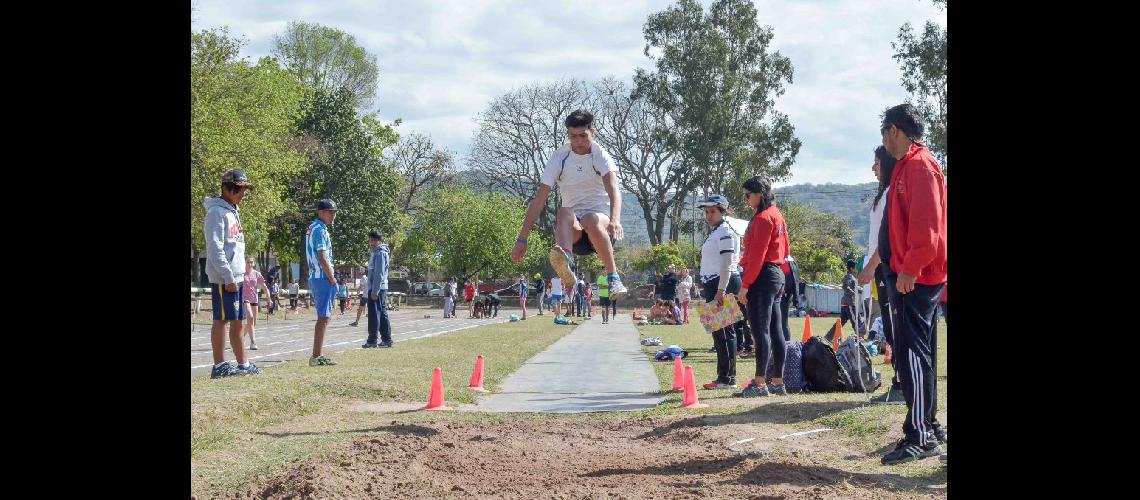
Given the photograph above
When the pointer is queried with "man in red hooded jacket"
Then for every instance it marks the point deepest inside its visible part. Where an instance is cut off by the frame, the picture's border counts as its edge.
(913, 245)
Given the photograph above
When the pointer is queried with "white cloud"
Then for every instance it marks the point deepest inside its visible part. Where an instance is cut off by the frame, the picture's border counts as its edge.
(441, 62)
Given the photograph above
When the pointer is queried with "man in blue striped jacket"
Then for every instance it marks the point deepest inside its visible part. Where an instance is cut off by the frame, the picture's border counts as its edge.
(322, 283)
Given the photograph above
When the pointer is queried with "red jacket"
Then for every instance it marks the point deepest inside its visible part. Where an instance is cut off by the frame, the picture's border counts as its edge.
(765, 241)
(917, 217)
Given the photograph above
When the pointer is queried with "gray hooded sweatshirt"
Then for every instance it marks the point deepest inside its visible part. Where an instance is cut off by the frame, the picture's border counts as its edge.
(225, 242)
(378, 269)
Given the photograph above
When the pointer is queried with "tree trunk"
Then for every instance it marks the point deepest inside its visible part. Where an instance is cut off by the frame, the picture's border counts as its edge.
(304, 263)
(194, 277)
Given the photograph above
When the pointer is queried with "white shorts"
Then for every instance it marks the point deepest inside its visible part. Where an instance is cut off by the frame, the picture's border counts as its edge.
(581, 211)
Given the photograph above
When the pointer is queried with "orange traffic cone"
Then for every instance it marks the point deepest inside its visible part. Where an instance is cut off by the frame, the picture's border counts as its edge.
(678, 375)
(807, 328)
(477, 376)
(435, 401)
(838, 335)
(689, 400)
(888, 352)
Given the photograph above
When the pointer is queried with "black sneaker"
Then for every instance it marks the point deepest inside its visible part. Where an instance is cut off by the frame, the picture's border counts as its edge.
(893, 396)
(249, 370)
(384, 345)
(752, 391)
(222, 370)
(369, 345)
(777, 389)
(940, 434)
(907, 451)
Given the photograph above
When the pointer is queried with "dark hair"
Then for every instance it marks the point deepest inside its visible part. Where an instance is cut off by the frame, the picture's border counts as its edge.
(906, 118)
(850, 263)
(580, 118)
(375, 235)
(886, 168)
(758, 184)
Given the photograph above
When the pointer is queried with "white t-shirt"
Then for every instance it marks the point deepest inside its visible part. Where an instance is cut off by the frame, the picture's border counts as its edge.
(873, 237)
(685, 287)
(579, 177)
(363, 284)
(721, 240)
(555, 286)
(293, 288)
(741, 227)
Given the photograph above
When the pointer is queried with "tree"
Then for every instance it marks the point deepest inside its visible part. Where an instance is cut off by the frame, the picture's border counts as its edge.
(658, 257)
(636, 134)
(346, 166)
(819, 241)
(241, 116)
(467, 233)
(422, 164)
(518, 133)
(922, 60)
(327, 59)
(717, 82)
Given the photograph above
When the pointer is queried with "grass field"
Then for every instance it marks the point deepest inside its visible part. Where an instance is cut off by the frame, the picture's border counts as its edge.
(247, 430)
(872, 428)
(230, 416)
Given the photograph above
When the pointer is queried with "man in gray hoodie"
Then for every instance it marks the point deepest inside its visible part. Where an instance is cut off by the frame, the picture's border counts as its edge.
(225, 268)
(378, 324)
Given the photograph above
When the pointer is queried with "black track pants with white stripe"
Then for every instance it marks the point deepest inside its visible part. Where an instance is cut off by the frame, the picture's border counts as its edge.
(915, 334)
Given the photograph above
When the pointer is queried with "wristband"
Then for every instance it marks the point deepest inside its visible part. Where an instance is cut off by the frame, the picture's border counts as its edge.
(520, 240)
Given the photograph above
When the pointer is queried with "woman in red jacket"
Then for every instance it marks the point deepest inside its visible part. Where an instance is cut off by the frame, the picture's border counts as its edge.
(766, 248)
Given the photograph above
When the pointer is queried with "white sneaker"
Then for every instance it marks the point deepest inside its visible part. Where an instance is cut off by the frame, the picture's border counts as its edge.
(253, 346)
(562, 264)
(617, 290)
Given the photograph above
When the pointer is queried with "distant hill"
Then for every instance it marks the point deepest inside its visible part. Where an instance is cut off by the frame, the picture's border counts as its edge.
(848, 201)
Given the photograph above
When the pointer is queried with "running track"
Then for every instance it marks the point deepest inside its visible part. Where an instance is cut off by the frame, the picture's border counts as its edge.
(283, 340)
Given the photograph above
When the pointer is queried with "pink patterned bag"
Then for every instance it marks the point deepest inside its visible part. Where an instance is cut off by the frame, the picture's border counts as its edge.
(715, 316)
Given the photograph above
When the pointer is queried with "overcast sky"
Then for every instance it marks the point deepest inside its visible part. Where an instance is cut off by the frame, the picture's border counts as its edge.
(442, 61)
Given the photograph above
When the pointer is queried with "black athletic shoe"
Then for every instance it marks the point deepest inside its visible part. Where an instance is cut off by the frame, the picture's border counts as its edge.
(384, 344)
(369, 346)
(907, 451)
(940, 434)
(893, 396)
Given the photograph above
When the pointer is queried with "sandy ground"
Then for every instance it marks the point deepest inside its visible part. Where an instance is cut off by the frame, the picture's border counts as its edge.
(661, 457)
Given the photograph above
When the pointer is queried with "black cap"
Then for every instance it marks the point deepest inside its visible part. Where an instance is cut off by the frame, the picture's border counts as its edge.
(375, 235)
(236, 176)
(712, 201)
(326, 204)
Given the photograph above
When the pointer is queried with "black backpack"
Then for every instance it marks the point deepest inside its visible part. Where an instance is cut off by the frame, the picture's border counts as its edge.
(822, 372)
(856, 361)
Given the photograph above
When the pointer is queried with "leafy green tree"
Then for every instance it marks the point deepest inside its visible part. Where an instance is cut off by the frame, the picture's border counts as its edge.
(817, 263)
(819, 241)
(922, 59)
(345, 166)
(658, 257)
(472, 233)
(242, 115)
(717, 81)
(328, 59)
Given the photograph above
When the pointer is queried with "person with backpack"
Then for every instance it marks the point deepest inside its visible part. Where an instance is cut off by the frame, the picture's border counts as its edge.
(589, 220)
(912, 244)
(884, 167)
(847, 303)
(763, 281)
